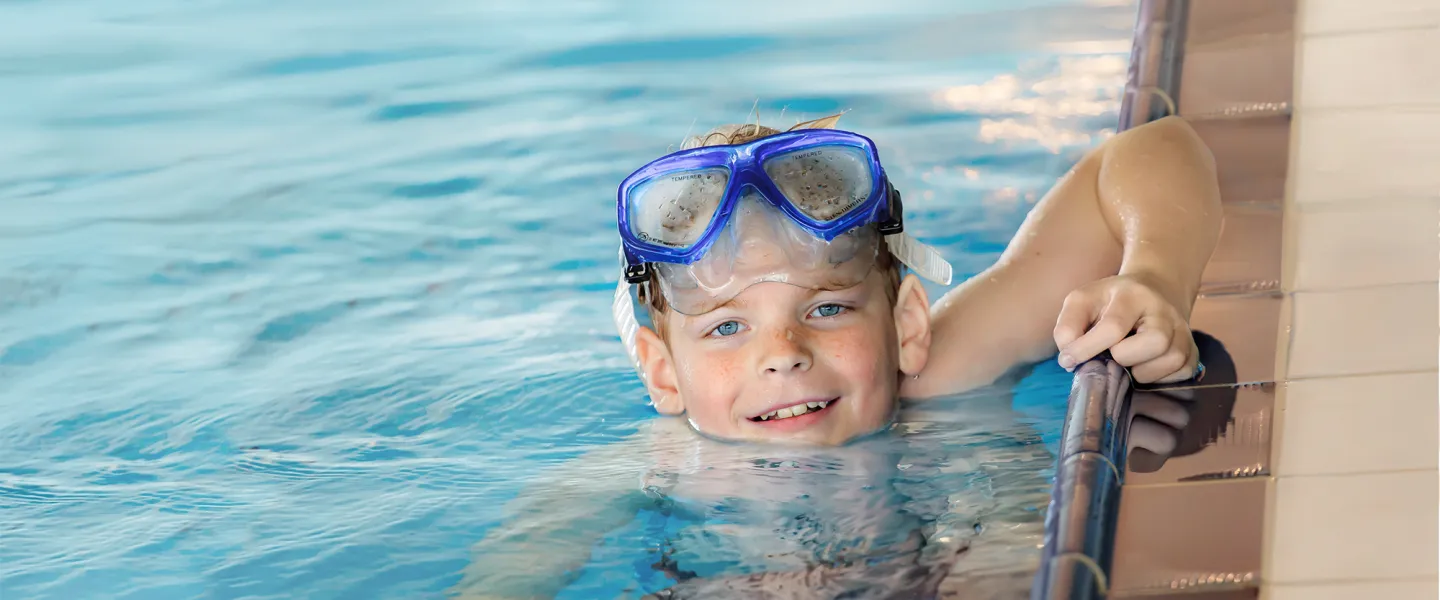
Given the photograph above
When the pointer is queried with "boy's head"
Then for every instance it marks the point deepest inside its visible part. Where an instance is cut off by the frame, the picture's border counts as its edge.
(780, 361)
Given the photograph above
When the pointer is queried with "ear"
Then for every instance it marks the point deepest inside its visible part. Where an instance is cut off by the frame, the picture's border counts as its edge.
(912, 325)
(658, 369)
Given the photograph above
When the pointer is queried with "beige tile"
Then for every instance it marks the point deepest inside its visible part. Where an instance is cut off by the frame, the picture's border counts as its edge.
(1369, 330)
(1358, 590)
(1329, 429)
(1384, 68)
(1358, 155)
(1354, 245)
(1333, 16)
(1374, 526)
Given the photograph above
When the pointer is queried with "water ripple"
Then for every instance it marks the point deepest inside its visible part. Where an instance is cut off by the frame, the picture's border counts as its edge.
(295, 297)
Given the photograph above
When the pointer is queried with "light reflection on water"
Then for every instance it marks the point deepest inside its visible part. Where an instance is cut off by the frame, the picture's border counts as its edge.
(294, 297)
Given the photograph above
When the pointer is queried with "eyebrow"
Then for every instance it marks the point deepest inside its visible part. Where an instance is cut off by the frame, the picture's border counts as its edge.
(735, 303)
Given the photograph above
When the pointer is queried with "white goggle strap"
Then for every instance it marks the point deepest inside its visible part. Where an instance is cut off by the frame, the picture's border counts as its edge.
(623, 311)
(924, 260)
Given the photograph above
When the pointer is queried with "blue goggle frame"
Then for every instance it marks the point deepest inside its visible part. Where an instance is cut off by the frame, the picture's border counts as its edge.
(745, 163)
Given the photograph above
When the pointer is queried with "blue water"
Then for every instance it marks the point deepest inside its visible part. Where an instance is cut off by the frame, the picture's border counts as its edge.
(294, 297)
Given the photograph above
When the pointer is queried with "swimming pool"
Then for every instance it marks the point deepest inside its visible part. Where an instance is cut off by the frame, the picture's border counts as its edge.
(294, 297)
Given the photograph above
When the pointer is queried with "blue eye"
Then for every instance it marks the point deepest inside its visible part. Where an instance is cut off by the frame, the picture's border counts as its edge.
(827, 310)
(726, 329)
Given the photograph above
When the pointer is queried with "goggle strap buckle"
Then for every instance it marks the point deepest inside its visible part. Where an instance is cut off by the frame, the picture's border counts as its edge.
(895, 223)
(637, 273)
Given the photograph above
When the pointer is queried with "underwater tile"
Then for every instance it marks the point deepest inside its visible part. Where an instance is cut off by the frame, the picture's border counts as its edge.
(1228, 435)
(1189, 537)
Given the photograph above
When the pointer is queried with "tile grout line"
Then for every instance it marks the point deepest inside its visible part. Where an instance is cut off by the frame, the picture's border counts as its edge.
(1355, 473)
(1313, 582)
(1305, 35)
(1370, 374)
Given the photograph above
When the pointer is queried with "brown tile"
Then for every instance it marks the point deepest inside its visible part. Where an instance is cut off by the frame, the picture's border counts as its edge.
(1246, 325)
(1249, 75)
(1251, 155)
(1334, 16)
(1369, 330)
(1328, 432)
(1355, 590)
(1221, 22)
(1375, 243)
(1238, 594)
(1189, 537)
(1227, 436)
(1383, 68)
(1357, 155)
(1247, 257)
(1374, 526)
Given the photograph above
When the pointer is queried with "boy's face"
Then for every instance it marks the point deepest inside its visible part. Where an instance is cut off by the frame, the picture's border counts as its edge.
(785, 363)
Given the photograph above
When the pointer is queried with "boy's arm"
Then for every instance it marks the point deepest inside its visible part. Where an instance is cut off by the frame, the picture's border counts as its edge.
(550, 528)
(1115, 250)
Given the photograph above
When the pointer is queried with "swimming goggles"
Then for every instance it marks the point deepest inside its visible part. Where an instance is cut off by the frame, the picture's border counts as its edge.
(807, 207)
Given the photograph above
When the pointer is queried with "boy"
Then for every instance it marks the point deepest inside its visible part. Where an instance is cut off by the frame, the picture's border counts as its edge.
(769, 265)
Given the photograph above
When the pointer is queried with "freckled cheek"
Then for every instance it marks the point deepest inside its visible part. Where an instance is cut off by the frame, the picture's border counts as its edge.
(859, 356)
(710, 384)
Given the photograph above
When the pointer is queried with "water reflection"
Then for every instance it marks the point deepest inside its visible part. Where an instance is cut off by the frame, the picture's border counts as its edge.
(955, 488)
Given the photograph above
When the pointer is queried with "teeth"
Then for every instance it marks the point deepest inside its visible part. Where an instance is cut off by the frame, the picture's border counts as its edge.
(793, 411)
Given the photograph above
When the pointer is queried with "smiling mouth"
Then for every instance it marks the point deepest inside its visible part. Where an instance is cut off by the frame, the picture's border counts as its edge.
(794, 411)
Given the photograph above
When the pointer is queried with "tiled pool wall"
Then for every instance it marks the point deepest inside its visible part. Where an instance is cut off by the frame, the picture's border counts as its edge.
(1308, 469)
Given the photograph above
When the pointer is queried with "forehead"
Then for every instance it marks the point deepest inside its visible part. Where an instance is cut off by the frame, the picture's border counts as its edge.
(784, 296)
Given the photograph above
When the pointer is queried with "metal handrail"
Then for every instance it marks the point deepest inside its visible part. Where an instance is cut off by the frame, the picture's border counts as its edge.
(1084, 501)
(1085, 498)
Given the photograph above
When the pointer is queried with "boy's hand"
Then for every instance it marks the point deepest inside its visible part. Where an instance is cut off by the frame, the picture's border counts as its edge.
(1143, 330)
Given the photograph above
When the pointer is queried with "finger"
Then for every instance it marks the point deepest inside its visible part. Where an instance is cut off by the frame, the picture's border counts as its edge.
(1115, 324)
(1076, 315)
(1148, 343)
(1175, 364)
(1161, 409)
(1153, 436)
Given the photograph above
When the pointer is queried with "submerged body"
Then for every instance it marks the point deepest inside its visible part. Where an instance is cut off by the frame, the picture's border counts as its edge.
(1110, 260)
(887, 516)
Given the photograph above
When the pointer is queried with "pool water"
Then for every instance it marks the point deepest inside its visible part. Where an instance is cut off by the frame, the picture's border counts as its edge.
(296, 297)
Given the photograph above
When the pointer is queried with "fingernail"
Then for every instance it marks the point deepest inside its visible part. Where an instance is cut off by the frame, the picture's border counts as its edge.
(1067, 362)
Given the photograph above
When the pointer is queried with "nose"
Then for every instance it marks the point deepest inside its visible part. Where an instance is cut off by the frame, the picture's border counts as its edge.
(785, 351)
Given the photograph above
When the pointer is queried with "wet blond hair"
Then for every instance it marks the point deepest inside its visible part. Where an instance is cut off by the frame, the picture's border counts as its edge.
(730, 135)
